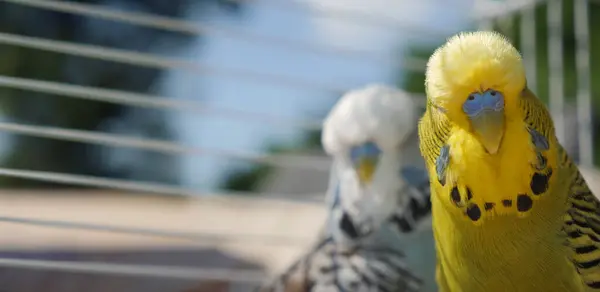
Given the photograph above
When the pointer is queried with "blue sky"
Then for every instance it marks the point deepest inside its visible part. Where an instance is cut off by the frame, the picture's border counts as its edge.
(229, 134)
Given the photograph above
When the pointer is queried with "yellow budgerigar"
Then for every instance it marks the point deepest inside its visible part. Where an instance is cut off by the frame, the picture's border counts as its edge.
(511, 212)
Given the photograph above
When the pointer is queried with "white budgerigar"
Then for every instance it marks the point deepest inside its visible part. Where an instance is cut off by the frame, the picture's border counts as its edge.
(378, 179)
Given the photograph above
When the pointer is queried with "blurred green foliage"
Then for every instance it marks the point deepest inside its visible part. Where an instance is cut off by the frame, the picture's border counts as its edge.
(249, 178)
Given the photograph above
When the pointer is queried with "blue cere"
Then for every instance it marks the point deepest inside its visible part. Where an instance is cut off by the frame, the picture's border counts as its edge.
(477, 103)
(368, 149)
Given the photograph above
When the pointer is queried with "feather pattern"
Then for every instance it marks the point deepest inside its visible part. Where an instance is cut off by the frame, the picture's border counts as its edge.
(582, 225)
(515, 219)
(351, 253)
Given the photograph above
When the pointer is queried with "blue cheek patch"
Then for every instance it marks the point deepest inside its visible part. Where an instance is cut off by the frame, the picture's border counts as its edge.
(480, 102)
(368, 149)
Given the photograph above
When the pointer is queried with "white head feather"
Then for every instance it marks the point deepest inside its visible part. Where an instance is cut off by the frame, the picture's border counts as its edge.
(382, 115)
(376, 113)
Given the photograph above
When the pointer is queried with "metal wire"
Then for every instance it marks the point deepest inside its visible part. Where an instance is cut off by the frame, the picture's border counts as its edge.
(528, 46)
(201, 237)
(354, 16)
(279, 160)
(149, 101)
(184, 273)
(193, 28)
(155, 61)
(126, 185)
(556, 67)
(158, 102)
(584, 90)
(508, 8)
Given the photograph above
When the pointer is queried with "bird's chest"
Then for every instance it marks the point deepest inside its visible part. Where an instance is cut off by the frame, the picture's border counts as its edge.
(515, 244)
(505, 253)
(493, 179)
(497, 219)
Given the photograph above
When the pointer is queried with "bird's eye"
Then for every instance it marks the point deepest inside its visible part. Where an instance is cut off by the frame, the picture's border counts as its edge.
(493, 93)
(471, 97)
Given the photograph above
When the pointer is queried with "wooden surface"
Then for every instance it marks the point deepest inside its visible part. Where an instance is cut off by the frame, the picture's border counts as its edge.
(243, 226)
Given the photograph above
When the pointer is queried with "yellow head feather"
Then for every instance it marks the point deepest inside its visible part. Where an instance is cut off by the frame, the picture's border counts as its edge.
(474, 62)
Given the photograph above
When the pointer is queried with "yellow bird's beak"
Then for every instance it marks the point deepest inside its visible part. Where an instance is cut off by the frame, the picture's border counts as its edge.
(486, 112)
(364, 160)
(365, 168)
(489, 128)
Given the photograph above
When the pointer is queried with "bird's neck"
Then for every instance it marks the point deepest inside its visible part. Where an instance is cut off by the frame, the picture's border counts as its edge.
(496, 178)
(505, 250)
(503, 254)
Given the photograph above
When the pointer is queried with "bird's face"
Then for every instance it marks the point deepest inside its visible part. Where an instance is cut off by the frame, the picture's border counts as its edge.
(364, 159)
(476, 79)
